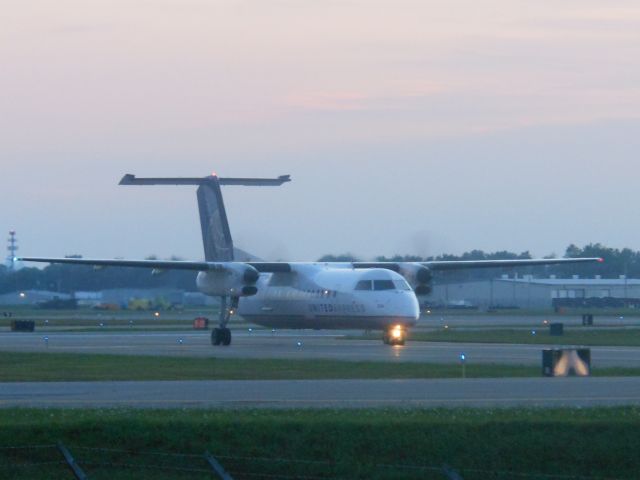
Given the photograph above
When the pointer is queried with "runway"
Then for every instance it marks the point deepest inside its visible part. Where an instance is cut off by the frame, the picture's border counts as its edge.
(509, 392)
(294, 345)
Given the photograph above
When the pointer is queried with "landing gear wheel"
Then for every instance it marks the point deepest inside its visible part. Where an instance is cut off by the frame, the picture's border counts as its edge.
(221, 336)
(216, 337)
(226, 337)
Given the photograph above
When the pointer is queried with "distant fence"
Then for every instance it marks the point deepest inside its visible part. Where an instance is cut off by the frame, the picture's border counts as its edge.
(61, 461)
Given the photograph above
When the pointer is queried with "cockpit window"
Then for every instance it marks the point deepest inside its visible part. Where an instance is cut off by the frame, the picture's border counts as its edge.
(401, 285)
(383, 285)
(363, 285)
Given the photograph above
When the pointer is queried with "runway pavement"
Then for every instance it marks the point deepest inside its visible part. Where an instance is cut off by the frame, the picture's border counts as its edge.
(510, 392)
(312, 393)
(294, 345)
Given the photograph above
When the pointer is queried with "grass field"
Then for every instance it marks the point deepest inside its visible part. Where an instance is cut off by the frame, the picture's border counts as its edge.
(84, 317)
(362, 444)
(615, 337)
(30, 367)
(572, 336)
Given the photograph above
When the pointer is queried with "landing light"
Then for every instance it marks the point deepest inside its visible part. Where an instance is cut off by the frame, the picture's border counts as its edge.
(397, 332)
(22, 294)
(157, 314)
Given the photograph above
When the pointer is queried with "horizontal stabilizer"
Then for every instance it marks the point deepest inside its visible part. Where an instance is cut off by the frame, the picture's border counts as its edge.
(130, 179)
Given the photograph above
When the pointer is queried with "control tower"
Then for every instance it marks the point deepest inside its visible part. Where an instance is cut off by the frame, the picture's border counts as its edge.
(12, 248)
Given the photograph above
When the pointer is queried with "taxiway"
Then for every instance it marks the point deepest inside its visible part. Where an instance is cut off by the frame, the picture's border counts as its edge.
(294, 345)
(491, 392)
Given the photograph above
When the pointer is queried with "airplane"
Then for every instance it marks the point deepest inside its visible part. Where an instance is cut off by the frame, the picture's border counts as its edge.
(298, 295)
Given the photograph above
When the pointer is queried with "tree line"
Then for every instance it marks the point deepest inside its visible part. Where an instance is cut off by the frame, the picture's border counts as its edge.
(71, 278)
(617, 262)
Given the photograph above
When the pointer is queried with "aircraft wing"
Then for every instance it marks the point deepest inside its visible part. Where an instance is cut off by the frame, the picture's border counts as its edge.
(284, 267)
(465, 264)
(469, 264)
(271, 267)
(155, 264)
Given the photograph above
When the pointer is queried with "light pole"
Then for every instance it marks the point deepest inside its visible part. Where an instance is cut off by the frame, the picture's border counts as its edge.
(463, 362)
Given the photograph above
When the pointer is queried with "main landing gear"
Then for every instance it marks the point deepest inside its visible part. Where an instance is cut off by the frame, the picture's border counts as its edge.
(222, 335)
(395, 335)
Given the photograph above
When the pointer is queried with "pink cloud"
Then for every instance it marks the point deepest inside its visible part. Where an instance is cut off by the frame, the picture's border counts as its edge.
(331, 101)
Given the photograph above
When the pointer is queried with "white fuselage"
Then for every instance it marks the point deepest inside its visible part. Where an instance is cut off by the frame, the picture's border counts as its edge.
(314, 295)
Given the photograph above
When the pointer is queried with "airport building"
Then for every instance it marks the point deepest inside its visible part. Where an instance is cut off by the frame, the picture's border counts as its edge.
(120, 297)
(538, 293)
(31, 297)
(524, 292)
(124, 296)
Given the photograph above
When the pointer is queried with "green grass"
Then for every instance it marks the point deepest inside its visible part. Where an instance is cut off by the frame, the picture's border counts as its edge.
(577, 336)
(618, 337)
(540, 312)
(49, 367)
(92, 318)
(358, 444)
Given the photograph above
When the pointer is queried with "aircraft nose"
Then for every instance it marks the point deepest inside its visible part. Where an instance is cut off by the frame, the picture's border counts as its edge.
(410, 306)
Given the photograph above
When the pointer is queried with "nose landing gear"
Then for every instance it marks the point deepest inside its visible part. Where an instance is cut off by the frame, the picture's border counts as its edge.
(222, 335)
(395, 335)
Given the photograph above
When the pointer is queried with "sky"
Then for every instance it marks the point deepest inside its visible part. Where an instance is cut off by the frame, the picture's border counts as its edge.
(408, 126)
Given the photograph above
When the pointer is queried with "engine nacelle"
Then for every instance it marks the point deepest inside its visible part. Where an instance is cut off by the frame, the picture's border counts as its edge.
(235, 280)
(418, 276)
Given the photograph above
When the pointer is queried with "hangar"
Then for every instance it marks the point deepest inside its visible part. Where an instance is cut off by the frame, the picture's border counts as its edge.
(539, 293)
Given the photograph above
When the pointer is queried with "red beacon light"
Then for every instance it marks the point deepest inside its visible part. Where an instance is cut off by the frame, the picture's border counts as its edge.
(600, 260)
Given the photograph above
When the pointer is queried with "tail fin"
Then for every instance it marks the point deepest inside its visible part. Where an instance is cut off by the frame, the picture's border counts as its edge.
(216, 235)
